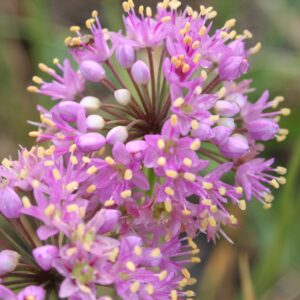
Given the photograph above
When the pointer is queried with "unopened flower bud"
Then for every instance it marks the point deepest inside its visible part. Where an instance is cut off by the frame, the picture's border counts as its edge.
(32, 292)
(235, 146)
(122, 96)
(8, 261)
(232, 67)
(90, 104)
(220, 134)
(203, 132)
(117, 134)
(136, 148)
(45, 255)
(92, 71)
(227, 122)
(140, 72)
(125, 56)
(95, 122)
(237, 98)
(262, 129)
(68, 110)
(90, 142)
(226, 108)
(10, 203)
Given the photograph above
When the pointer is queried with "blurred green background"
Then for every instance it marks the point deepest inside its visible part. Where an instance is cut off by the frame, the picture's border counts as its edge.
(264, 262)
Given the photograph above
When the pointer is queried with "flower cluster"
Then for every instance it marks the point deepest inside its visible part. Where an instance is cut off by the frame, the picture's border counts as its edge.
(120, 183)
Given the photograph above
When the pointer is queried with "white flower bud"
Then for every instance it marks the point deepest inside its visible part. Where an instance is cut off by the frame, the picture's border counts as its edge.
(117, 134)
(95, 122)
(122, 96)
(90, 103)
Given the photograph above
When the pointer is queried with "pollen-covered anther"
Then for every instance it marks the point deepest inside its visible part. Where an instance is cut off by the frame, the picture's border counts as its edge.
(168, 205)
(256, 48)
(174, 120)
(34, 134)
(109, 203)
(166, 19)
(72, 208)
(196, 60)
(155, 253)
(37, 80)
(194, 124)
(222, 191)
(196, 144)
(233, 219)
(281, 170)
(32, 89)
(204, 74)
(149, 12)
(138, 250)
(141, 9)
(126, 7)
(174, 295)
(89, 23)
(222, 92)
(135, 286)
(178, 102)
(230, 23)
(186, 212)
(191, 243)
(128, 174)
(149, 289)
(47, 121)
(239, 190)
(202, 31)
(73, 160)
(189, 176)
(91, 189)
(161, 161)
(281, 180)
(161, 144)
(130, 266)
(126, 194)
(242, 204)
(72, 186)
(49, 210)
(174, 4)
(172, 174)
(48, 163)
(56, 174)
(187, 162)
(162, 275)
(187, 40)
(26, 202)
(186, 68)
(169, 191)
(195, 260)
(92, 170)
(274, 183)
(75, 28)
(207, 185)
(285, 111)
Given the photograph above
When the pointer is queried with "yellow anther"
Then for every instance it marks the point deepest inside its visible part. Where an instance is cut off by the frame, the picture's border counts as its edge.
(71, 251)
(195, 124)
(202, 31)
(74, 160)
(60, 136)
(43, 67)
(114, 254)
(222, 191)
(204, 74)
(109, 160)
(161, 161)
(76, 41)
(72, 208)
(224, 35)
(213, 209)
(186, 212)
(148, 12)
(91, 189)
(149, 289)
(86, 160)
(202, 10)
(198, 90)
(256, 48)
(161, 144)
(189, 176)
(281, 170)
(173, 295)
(80, 231)
(233, 219)
(186, 68)
(135, 286)
(267, 205)
(72, 148)
(94, 14)
(26, 202)
(185, 272)
(248, 34)
(91, 170)
(48, 163)
(7, 163)
(56, 174)
(195, 45)
(126, 6)
(192, 244)
(195, 260)
(128, 174)
(162, 275)
(89, 23)
(141, 9)
(72, 186)
(196, 59)
(32, 89)
(285, 111)
(196, 144)
(49, 210)
(269, 198)
(49, 151)
(187, 162)
(131, 3)
(190, 293)
(187, 40)
(47, 121)
(174, 4)
(230, 23)
(130, 266)
(178, 102)
(222, 92)
(172, 174)
(166, 19)
(281, 180)
(74, 28)
(168, 205)
(212, 15)
(155, 253)
(37, 80)
(232, 34)
(125, 194)
(174, 120)
(212, 222)
(207, 185)
(109, 203)
(138, 250)
(176, 62)
(169, 191)
(242, 205)
(274, 183)
(214, 118)
(68, 41)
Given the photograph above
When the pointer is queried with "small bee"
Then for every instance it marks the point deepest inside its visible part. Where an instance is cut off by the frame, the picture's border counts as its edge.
(79, 41)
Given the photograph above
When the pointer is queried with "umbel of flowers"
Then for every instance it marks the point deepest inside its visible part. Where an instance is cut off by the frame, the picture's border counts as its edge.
(120, 182)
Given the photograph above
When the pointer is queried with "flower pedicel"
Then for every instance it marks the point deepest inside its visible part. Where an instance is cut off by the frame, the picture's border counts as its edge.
(119, 185)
